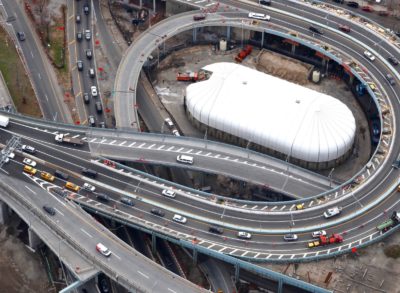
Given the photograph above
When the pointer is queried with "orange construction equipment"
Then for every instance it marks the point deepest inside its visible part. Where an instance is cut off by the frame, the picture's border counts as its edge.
(244, 53)
(188, 76)
(335, 238)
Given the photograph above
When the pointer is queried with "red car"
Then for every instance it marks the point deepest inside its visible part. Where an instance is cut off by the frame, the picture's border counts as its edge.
(367, 8)
(344, 28)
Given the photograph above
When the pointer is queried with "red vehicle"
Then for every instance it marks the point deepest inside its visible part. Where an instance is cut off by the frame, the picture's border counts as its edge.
(244, 53)
(367, 8)
(188, 76)
(383, 13)
(199, 17)
(335, 238)
(344, 28)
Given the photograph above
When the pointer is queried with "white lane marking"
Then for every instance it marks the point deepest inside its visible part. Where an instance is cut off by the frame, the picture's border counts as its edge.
(47, 98)
(244, 253)
(30, 189)
(254, 207)
(132, 144)
(198, 153)
(86, 233)
(113, 142)
(75, 136)
(150, 147)
(143, 144)
(5, 171)
(116, 255)
(211, 246)
(122, 143)
(32, 54)
(233, 251)
(222, 249)
(93, 140)
(161, 147)
(264, 208)
(257, 254)
(170, 290)
(179, 149)
(40, 77)
(283, 207)
(59, 212)
(143, 274)
(274, 208)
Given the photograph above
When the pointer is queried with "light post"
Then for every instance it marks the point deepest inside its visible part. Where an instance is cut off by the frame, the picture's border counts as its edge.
(330, 177)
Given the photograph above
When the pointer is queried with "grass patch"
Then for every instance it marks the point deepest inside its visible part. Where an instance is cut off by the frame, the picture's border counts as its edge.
(392, 251)
(16, 78)
(56, 48)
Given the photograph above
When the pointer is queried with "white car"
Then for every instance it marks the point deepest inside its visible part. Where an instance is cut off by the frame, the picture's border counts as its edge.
(316, 234)
(179, 219)
(29, 162)
(332, 212)
(169, 122)
(369, 55)
(290, 237)
(168, 193)
(28, 149)
(88, 187)
(260, 16)
(103, 250)
(11, 155)
(176, 132)
(88, 35)
(93, 90)
(244, 235)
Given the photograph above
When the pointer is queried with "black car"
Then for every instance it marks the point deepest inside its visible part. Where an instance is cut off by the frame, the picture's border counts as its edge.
(86, 8)
(157, 212)
(393, 60)
(61, 175)
(265, 2)
(79, 64)
(86, 98)
(21, 36)
(103, 197)
(216, 229)
(89, 172)
(99, 107)
(352, 4)
(89, 54)
(390, 79)
(339, 1)
(316, 30)
(50, 210)
(92, 121)
(127, 201)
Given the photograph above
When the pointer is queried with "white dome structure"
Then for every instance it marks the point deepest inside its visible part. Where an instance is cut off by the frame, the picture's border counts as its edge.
(273, 113)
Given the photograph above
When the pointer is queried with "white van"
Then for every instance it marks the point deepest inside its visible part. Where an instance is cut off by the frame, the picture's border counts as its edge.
(185, 159)
(103, 250)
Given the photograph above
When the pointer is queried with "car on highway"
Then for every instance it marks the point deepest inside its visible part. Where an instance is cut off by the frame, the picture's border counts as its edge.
(89, 172)
(168, 193)
(91, 73)
(316, 30)
(316, 234)
(21, 36)
(89, 54)
(61, 175)
(176, 132)
(102, 124)
(47, 176)
(28, 149)
(88, 187)
(92, 121)
(72, 186)
(88, 35)
(79, 36)
(50, 210)
(353, 4)
(243, 235)
(216, 230)
(30, 170)
(79, 64)
(10, 155)
(329, 213)
(169, 122)
(179, 219)
(367, 8)
(290, 237)
(198, 17)
(265, 2)
(103, 250)
(369, 56)
(157, 212)
(393, 60)
(103, 197)
(344, 28)
(260, 16)
(99, 107)
(29, 162)
(86, 8)
(93, 91)
(127, 201)
(185, 159)
(86, 98)
(390, 79)
(78, 18)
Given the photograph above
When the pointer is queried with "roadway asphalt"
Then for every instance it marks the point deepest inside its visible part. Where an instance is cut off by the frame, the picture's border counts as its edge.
(41, 73)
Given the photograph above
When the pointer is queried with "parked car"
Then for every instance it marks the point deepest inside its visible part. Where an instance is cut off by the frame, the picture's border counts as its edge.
(50, 210)
(369, 55)
(179, 219)
(290, 237)
(29, 162)
(244, 235)
(28, 149)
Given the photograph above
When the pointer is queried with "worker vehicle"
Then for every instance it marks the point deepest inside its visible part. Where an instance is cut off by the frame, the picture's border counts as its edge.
(185, 159)
(30, 170)
(127, 201)
(187, 76)
(390, 223)
(4, 121)
(329, 213)
(68, 139)
(103, 250)
(29, 162)
(47, 176)
(334, 238)
(72, 186)
(179, 219)
(244, 53)
(243, 235)
(88, 187)
(260, 16)
(369, 56)
(50, 210)
(168, 193)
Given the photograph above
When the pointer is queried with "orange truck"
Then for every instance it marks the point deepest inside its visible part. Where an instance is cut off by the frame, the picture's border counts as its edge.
(188, 76)
(324, 240)
(244, 53)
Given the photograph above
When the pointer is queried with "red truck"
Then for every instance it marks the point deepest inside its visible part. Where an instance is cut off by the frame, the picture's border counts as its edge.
(324, 240)
(187, 76)
(244, 53)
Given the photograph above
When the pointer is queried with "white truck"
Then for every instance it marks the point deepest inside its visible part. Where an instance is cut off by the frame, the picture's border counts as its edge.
(4, 121)
(68, 139)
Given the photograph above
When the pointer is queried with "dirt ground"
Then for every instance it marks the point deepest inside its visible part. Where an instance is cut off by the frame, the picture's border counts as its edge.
(21, 270)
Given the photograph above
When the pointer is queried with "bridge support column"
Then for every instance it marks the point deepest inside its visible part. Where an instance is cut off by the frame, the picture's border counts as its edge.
(153, 243)
(293, 49)
(262, 39)
(34, 240)
(3, 213)
(194, 256)
(194, 35)
(280, 285)
(228, 33)
(141, 4)
(154, 6)
(237, 272)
